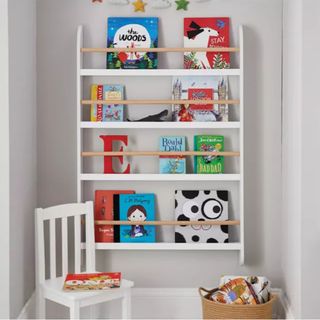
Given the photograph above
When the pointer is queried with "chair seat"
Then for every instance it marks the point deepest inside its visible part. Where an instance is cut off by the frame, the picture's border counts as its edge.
(53, 290)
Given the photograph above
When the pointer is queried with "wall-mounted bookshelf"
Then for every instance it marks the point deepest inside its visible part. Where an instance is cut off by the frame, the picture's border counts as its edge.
(163, 128)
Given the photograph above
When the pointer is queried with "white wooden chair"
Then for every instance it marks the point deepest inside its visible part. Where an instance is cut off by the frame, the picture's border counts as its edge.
(51, 288)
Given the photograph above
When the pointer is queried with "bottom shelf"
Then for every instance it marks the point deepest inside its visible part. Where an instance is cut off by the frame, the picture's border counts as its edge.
(168, 246)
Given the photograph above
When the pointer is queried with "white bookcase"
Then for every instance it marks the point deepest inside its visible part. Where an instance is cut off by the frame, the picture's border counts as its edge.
(235, 178)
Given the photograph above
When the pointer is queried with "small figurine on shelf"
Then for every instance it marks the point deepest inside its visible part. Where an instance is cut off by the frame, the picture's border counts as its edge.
(184, 113)
(154, 117)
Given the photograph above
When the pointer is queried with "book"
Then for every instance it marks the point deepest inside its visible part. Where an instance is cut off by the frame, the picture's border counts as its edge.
(172, 164)
(103, 210)
(206, 33)
(92, 281)
(135, 207)
(106, 112)
(135, 32)
(200, 88)
(201, 205)
(208, 164)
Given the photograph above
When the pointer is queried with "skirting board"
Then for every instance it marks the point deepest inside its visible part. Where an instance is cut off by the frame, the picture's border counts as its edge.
(152, 303)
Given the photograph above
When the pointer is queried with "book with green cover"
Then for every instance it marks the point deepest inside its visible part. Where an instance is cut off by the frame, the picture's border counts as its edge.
(209, 164)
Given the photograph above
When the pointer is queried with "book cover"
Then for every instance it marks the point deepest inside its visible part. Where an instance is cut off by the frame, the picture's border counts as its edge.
(206, 33)
(172, 164)
(103, 210)
(137, 208)
(106, 112)
(209, 164)
(135, 32)
(201, 205)
(92, 281)
(200, 88)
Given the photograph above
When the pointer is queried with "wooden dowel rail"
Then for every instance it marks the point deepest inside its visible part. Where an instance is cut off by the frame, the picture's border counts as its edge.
(169, 223)
(158, 153)
(105, 50)
(165, 101)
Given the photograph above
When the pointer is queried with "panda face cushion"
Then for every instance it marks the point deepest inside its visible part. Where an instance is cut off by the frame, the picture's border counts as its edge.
(201, 205)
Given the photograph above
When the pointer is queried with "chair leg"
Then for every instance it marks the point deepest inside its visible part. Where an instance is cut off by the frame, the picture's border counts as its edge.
(40, 305)
(126, 305)
(75, 310)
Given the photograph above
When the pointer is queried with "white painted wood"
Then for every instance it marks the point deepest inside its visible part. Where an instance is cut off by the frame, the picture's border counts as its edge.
(159, 177)
(159, 72)
(241, 137)
(90, 245)
(77, 241)
(64, 243)
(126, 305)
(75, 310)
(160, 125)
(64, 210)
(53, 272)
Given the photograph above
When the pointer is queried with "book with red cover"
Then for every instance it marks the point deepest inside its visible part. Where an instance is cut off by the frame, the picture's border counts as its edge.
(103, 210)
(92, 281)
(206, 33)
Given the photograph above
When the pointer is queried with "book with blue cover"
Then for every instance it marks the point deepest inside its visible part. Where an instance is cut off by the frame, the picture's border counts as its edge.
(137, 207)
(132, 32)
(172, 164)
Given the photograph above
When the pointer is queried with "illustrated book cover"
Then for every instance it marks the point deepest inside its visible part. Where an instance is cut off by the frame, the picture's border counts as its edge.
(209, 164)
(200, 88)
(201, 205)
(135, 32)
(103, 210)
(172, 164)
(136, 208)
(206, 33)
(92, 281)
(107, 112)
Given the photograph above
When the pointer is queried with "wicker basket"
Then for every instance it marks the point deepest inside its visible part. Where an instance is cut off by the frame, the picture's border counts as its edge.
(215, 310)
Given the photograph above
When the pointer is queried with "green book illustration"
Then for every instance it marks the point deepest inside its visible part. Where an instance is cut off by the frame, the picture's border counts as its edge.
(209, 164)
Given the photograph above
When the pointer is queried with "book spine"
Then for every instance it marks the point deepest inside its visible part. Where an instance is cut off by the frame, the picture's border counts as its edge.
(195, 148)
(116, 217)
(99, 106)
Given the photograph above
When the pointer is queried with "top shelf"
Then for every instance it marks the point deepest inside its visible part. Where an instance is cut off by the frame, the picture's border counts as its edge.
(158, 72)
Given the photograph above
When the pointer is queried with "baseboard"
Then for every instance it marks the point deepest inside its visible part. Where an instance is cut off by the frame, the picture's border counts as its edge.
(158, 303)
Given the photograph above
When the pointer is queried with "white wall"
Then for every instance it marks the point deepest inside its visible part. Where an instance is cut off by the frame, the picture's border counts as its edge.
(23, 150)
(4, 161)
(57, 22)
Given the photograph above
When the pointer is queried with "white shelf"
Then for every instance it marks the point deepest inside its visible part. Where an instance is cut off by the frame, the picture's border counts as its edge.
(160, 125)
(159, 177)
(168, 246)
(158, 72)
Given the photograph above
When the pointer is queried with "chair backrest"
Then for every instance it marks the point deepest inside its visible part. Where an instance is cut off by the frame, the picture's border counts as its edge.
(63, 212)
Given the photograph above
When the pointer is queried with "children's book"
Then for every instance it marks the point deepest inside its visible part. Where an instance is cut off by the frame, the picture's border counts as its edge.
(209, 164)
(92, 281)
(172, 164)
(200, 88)
(135, 32)
(107, 112)
(137, 208)
(103, 210)
(201, 205)
(206, 33)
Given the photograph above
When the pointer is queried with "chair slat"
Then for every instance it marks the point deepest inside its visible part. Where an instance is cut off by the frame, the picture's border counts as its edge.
(90, 245)
(53, 272)
(77, 242)
(64, 243)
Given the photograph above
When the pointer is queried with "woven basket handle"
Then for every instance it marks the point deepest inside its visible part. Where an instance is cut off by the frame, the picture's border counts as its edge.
(201, 289)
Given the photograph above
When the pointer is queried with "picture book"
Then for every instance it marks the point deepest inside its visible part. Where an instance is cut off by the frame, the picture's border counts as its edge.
(103, 210)
(132, 32)
(209, 164)
(200, 88)
(107, 112)
(201, 205)
(172, 164)
(206, 33)
(92, 281)
(136, 208)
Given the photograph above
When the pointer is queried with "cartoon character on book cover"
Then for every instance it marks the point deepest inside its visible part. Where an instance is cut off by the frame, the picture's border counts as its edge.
(135, 32)
(201, 205)
(200, 88)
(206, 33)
(137, 208)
